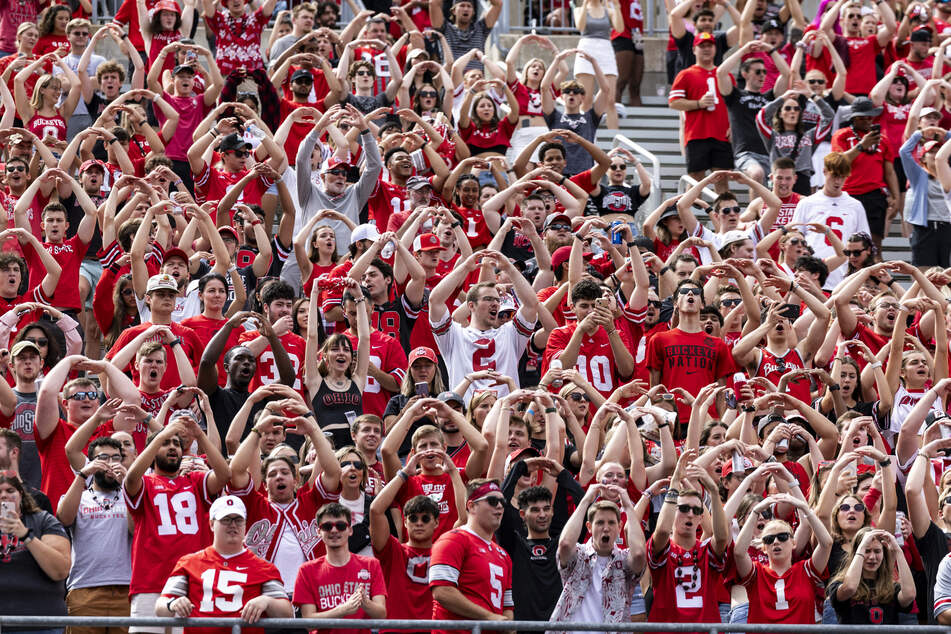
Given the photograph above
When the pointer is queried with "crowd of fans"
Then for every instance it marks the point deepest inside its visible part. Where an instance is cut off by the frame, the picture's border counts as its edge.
(350, 320)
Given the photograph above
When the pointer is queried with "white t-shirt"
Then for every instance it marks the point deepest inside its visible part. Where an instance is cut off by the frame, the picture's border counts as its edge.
(72, 61)
(186, 306)
(844, 215)
(590, 610)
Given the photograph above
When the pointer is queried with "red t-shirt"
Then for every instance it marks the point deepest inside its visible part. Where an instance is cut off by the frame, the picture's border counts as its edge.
(70, 255)
(440, 490)
(783, 218)
(689, 360)
(171, 520)
(773, 367)
(861, 77)
(298, 130)
(868, 173)
(480, 569)
(693, 83)
(317, 271)
(488, 137)
(57, 474)
(205, 328)
(473, 223)
(238, 40)
(595, 360)
(407, 580)
(190, 344)
(220, 586)
(128, 14)
(212, 184)
(51, 43)
(326, 586)
(267, 372)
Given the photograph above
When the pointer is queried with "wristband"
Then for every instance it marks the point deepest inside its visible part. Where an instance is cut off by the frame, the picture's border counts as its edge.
(784, 230)
(365, 131)
(403, 475)
(551, 410)
(214, 131)
(455, 224)
(179, 182)
(113, 140)
(835, 388)
(671, 495)
(884, 463)
(255, 430)
(563, 179)
(862, 555)
(662, 425)
(748, 408)
(877, 364)
(255, 223)
(631, 245)
(792, 286)
(30, 536)
(308, 414)
(147, 419)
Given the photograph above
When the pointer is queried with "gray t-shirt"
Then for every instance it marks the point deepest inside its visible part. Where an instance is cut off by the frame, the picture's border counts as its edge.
(24, 424)
(585, 125)
(282, 45)
(102, 543)
(461, 42)
(937, 202)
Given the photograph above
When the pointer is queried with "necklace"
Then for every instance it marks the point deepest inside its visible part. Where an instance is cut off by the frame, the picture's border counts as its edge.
(105, 502)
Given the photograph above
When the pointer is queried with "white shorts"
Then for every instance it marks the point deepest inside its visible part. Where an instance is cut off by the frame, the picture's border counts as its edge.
(601, 50)
(520, 140)
(144, 605)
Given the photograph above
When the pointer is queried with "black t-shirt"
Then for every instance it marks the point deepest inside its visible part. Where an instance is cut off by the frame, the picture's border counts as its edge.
(855, 613)
(75, 215)
(742, 106)
(614, 199)
(225, 403)
(585, 125)
(685, 56)
(366, 105)
(24, 588)
(393, 408)
(932, 547)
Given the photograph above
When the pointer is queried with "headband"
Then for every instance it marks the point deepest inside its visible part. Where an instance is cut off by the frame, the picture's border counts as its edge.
(483, 490)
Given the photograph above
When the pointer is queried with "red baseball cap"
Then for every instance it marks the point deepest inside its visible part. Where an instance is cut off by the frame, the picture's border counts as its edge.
(701, 38)
(175, 252)
(561, 255)
(727, 467)
(427, 242)
(230, 231)
(422, 352)
(92, 163)
(334, 162)
(165, 5)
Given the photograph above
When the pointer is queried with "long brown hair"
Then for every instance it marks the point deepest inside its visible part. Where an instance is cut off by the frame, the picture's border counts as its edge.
(119, 311)
(27, 504)
(881, 589)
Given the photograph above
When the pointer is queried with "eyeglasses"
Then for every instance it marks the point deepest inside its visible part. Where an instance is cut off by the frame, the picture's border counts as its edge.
(782, 538)
(731, 303)
(888, 306)
(240, 154)
(730, 210)
(559, 226)
(425, 518)
(363, 73)
(851, 252)
(858, 507)
(689, 508)
(109, 457)
(356, 464)
(579, 397)
(689, 291)
(796, 242)
(815, 81)
(790, 108)
(80, 33)
(341, 526)
(431, 94)
(92, 395)
(15, 168)
(618, 167)
(235, 520)
(494, 500)
(40, 341)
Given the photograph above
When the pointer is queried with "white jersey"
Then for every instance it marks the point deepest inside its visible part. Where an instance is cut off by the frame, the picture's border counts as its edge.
(905, 401)
(843, 214)
(465, 350)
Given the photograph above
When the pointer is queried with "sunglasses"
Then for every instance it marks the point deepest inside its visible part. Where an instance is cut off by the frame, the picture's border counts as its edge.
(127, 291)
(790, 108)
(816, 81)
(858, 507)
(573, 91)
(337, 171)
(240, 153)
(84, 396)
(690, 508)
(782, 538)
(341, 526)
(759, 71)
(689, 291)
(80, 33)
(431, 94)
(494, 500)
(40, 341)
(851, 252)
(796, 242)
(560, 226)
(654, 303)
(356, 464)
(363, 73)
(618, 167)
(730, 210)
(731, 303)
(15, 168)
(425, 518)
(578, 397)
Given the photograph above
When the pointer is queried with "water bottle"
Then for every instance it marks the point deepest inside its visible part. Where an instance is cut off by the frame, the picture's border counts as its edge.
(556, 365)
(712, 91)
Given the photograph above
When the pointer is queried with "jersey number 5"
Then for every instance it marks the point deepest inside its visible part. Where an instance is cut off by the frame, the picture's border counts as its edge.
(495, 580)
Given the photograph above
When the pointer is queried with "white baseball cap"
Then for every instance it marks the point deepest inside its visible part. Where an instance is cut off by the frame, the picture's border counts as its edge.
(227, 505)
(365, 232)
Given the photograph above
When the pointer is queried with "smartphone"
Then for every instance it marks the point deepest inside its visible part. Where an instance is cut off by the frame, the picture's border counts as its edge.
(422, 389)
(351, 416)
(731, 400)
(790, 311)
(7, 509)
(876, 128)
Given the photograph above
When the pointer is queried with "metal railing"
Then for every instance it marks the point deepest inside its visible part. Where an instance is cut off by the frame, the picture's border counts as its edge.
(476, 627)
(656, 195)
(686, 182)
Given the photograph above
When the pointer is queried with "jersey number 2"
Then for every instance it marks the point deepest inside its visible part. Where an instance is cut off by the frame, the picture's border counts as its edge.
(482, 357)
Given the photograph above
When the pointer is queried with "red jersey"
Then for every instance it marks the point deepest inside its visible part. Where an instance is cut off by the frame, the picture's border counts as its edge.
(486, 136)
(595, 360)
(773, 367)
(51, 43)
(128, 14)
(407, 580)
(57, 474)
(317, 271)
(783, 218)
(171, 520)
(212, 185)
(688, 580)
(388, 199)
(693, 83)
(529, 100)
(893, 120)
(205, 328)
(633, 16)
(47, 126)
(791, 598)
(870, 338)
(69, 254)
(689, 360)
(480, 569)
(381, 65)
(473, 223)
(325, 586)
(190, 344)
(388, 355)
(152, 401)
(440, 490)
(219, 586)
(861, 77)
(267, 372)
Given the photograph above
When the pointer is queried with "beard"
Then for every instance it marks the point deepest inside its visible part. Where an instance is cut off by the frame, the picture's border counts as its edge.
(105, 483)
(168, 465)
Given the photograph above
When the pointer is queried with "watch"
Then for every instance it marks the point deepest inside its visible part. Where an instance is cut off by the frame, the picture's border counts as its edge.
(174, 342)
(30, 536)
